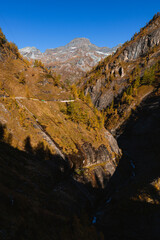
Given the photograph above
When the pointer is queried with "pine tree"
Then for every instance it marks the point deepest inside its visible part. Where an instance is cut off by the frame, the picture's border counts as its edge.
(70, 108)
(137, 82)
(88, 100)
(74, 91)
(81, 95)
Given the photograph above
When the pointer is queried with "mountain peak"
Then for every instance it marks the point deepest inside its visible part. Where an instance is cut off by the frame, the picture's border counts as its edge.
(77, 42)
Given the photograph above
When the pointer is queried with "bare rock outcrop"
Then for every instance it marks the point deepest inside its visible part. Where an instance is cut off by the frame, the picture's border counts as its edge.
(98, 165)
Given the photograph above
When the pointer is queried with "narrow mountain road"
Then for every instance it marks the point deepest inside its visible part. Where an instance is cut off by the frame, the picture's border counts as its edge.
(40, 100)
(37, 125)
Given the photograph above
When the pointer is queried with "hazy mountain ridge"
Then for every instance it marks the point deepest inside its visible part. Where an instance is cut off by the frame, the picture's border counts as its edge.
(71, 60)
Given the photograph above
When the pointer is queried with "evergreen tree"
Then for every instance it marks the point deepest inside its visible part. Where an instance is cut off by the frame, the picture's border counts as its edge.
(137, 82)
(81, 95)
(88, 100)
(74, 91)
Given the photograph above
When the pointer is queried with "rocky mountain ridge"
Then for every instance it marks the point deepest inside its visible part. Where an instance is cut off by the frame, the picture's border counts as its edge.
(109, 78)
(72, 60)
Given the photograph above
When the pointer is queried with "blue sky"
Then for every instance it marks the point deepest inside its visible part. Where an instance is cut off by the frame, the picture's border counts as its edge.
(50, 24)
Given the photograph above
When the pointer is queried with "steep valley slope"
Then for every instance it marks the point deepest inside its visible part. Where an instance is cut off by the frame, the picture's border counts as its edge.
(37, 108)
(125, 69)
(132, 198)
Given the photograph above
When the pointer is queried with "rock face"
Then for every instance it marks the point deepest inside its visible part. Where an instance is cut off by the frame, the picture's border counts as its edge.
(98, 165)
(102, 97)
(144, 44)
(71, 60)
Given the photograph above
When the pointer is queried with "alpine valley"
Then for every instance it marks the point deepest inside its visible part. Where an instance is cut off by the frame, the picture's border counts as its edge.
(80, 153)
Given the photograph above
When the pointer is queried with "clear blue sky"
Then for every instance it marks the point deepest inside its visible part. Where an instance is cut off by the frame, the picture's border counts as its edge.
(49, 24)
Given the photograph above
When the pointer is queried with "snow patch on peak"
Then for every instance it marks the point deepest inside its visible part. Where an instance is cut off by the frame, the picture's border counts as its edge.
(31, 52)
(29, 49)
(104, 53)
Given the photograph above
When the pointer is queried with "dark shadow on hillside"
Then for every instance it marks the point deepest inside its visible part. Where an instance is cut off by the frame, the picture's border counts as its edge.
(2, 131)
(39, 198)
(121, 215)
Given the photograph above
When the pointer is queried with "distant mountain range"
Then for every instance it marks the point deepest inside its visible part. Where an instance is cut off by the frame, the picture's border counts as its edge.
(72, 60)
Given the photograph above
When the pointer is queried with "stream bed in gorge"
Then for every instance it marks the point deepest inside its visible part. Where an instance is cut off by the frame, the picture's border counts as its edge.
(123, 213)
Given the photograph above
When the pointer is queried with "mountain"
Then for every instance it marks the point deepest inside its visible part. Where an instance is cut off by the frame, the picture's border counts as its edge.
(72, 60)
